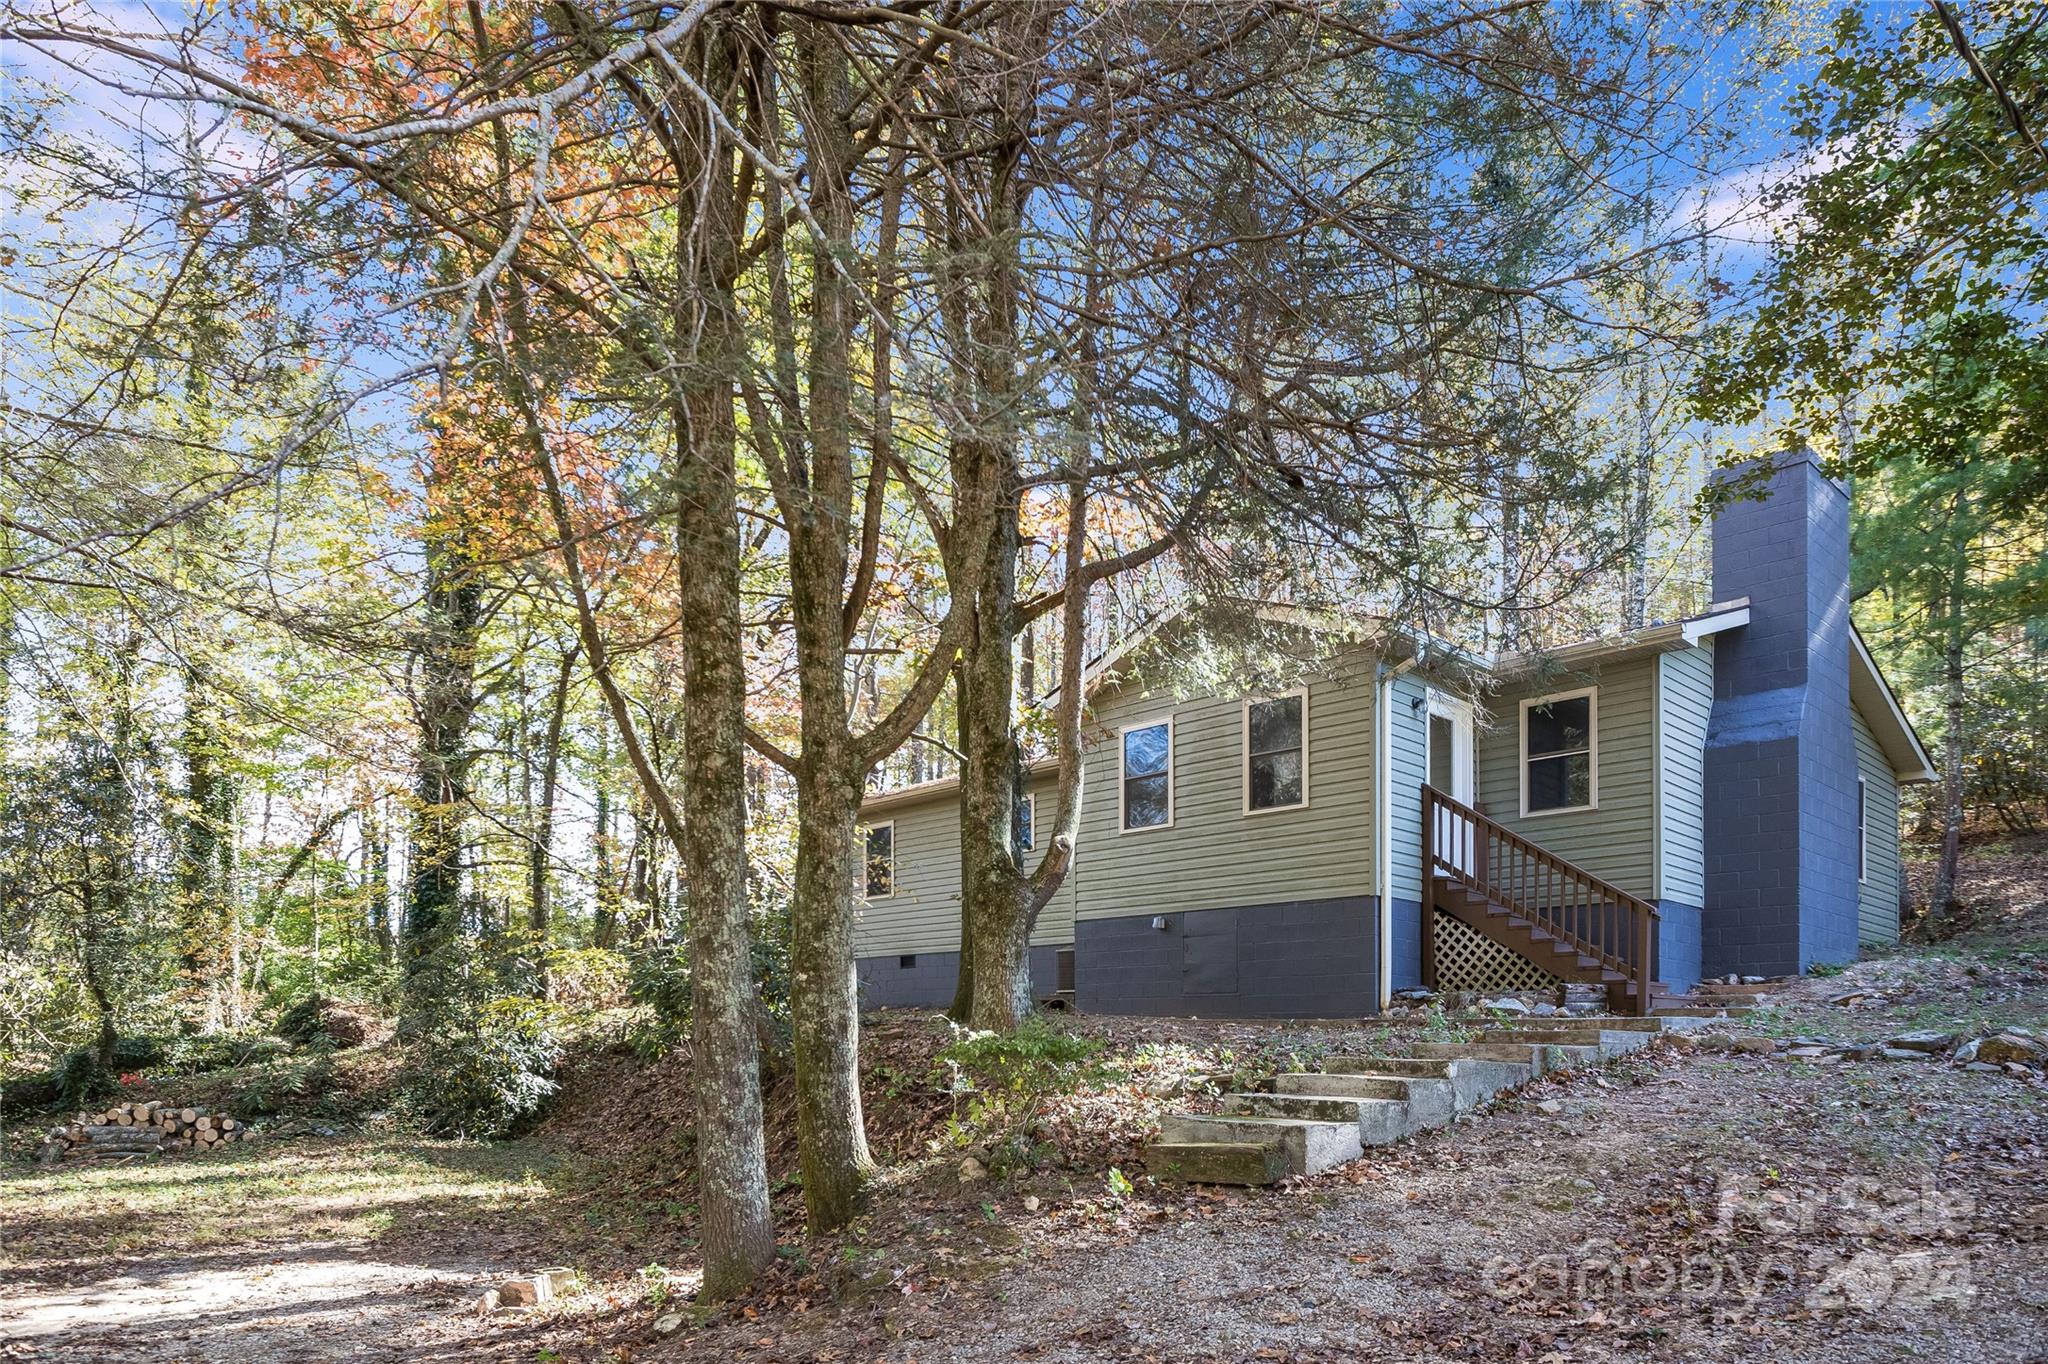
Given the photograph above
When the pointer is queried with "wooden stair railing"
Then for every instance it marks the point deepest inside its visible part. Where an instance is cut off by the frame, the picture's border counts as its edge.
(1600, 920)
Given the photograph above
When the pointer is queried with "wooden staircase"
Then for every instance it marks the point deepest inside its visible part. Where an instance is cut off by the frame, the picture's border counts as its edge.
(1556, 915)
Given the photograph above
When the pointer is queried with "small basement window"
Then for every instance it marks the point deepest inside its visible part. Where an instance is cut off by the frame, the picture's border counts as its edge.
(1148, 775)
(1561, 752)
(906, 961)
(1276, 753)
(881, 861)
(1027, 823)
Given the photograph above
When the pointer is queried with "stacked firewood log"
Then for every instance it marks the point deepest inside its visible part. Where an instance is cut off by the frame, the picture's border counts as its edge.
(137, 1129)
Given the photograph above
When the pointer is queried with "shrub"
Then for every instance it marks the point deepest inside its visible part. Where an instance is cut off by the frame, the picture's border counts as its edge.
(1002, 1084)
(77, 1080)
(485, 1072)
(587, 978)
(80, 1080)
(318, 1019)
(288, 1084)
(221, 1051)
(139, 1053)
(658, 980)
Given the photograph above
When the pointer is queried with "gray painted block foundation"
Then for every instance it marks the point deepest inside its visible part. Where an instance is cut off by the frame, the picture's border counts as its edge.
(1678, 944)
(1306, 959)
(925, 980)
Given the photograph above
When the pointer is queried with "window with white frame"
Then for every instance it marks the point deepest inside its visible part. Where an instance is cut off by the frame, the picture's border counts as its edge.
(1862, 829)
(1561, 752)
(1027, 823)
(880, 860)
(1276, 753)
(1147, 797)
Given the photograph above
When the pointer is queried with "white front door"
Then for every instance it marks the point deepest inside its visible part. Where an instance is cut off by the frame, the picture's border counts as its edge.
(1450, 768)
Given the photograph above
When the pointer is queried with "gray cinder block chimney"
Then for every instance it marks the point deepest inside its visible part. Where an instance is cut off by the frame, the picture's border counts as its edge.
(1781, 748)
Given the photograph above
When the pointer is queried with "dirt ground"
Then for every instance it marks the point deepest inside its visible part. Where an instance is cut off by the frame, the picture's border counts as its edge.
(1677, 1205)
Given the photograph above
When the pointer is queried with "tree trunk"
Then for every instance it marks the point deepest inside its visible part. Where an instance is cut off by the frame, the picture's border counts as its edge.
(540, 850)
(447, 702)
(825, 1021)
(204, 826)
(1635, 595)
(93, 970)
(1000, 900)
(831, 1133)
(1943, 902)
(604, 924)
(994, 890)
(736, 1222)
(377, 877)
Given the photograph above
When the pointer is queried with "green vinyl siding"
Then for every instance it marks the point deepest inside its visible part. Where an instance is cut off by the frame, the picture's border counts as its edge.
(1685, 698)
(1615, 841)
(924, 913)
(1214, 855)
(1877, 895)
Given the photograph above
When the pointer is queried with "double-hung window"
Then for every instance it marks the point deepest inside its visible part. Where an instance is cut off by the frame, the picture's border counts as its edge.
(1561, 752)
(879, 850)
(1147, 798)
(1276, 753)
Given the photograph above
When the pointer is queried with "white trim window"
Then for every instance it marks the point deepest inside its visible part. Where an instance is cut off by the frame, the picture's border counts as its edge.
(1276, 752)
(1561, 752)
(1862, 830)
(878, 860)
(1027, 823)
(1145, 790)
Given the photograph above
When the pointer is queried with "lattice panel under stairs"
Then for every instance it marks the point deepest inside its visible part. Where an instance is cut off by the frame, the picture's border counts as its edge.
(1469, 960)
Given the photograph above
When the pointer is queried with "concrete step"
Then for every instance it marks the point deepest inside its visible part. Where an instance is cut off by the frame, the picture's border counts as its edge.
(1310, 1146)
(1379, 1121)
(1314, 1120)
(1217, 1162)
(1432, 1067)
(1540, 1057)
(1473, 1082)
(1605, 1022)
(1611, 1042)
(1430, 1100)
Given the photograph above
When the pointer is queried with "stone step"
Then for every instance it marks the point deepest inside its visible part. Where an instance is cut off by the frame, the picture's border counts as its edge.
(1379, 1121)
(1540, 1057)
(1430, 1101)
(1217, 1162)
(1310, 1147)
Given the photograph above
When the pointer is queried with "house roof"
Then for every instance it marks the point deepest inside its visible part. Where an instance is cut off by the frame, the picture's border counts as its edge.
(1650, 639)
(910, 795)
(1873, 696)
